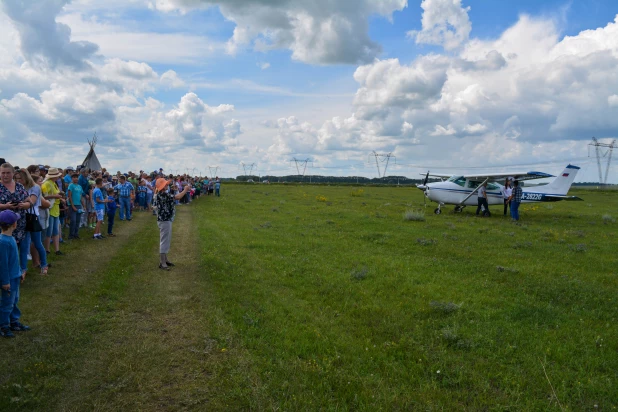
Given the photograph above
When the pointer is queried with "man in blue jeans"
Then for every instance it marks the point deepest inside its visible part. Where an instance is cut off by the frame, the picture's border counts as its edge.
(516, 200)
(124, 190)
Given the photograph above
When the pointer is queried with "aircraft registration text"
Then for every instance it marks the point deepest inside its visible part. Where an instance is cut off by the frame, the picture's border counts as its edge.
(532, 196)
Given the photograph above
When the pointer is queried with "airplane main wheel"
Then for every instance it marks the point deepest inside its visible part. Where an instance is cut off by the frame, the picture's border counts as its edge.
(458, 209)
(437, 211)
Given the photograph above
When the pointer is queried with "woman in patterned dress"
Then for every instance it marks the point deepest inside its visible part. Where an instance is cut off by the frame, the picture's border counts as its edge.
(165, 203)
(13, 196)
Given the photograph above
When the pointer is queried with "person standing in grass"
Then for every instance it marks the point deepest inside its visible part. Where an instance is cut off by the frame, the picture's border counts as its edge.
(482, 200)
(85, 184)
(165, 203)
(218, 188)
(51, 192)
(125, 190)
(34, 191)
(75, 198)
(149, 192)
(111, 212)
(14, 196)
(516, 201)
(507, 191)
(10, 277)
(99, 207)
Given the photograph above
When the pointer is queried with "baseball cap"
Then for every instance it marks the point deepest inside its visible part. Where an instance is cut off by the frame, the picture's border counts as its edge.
(8, 217)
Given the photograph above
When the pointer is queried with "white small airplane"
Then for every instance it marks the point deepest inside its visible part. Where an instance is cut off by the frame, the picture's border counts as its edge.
(460, 190)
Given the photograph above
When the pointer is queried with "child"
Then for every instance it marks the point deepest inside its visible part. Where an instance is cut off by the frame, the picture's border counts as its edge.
(63, 214)
(218, 188)
(99, 207)
(75, 194)
(10, 277)
(111, 211)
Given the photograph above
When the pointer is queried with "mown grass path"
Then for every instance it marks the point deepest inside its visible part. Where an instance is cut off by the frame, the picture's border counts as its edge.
(111, 331)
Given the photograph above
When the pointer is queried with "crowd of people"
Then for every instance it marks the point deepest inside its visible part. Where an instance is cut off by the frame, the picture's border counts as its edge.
(41, 207)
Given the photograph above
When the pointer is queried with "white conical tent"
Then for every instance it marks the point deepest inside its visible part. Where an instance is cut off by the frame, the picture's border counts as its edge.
(91, 161)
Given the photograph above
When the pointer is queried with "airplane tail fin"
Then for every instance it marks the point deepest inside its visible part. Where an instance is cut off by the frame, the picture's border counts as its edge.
(561, 184)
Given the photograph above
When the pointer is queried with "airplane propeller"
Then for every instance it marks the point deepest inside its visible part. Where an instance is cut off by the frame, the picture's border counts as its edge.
(423, 187)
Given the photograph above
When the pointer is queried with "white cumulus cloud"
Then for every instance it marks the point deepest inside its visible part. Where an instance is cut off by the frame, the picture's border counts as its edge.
(317, 32)
(444, 23)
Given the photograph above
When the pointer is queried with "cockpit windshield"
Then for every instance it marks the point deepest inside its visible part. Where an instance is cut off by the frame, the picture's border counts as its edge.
(459, 180)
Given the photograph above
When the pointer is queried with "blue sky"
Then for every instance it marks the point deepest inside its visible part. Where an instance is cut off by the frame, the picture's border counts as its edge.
(446, 84)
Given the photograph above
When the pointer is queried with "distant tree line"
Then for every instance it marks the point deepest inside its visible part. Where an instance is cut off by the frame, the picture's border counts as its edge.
(388, 180)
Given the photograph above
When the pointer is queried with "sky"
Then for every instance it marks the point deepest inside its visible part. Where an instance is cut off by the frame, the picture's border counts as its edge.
(450, 86)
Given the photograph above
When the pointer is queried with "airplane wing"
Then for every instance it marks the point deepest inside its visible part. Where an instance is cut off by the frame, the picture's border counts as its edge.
(493, 177)
(437, 175)
(561, 197)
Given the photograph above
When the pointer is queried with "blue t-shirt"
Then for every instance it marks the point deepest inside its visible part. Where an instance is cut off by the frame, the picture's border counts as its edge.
(76, 194)
(217, 185)
(111, 205)
(83, 182)
(9, 259)
(68, 179)
(98, 199)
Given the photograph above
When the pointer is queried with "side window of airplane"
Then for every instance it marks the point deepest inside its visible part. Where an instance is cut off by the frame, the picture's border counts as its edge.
(493, 186)
(473, 185)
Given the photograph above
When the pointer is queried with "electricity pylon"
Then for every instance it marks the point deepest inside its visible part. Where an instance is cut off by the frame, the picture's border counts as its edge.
(246, 166)
(382, 158)
(211, 168)
(301, 164)
(597, 145)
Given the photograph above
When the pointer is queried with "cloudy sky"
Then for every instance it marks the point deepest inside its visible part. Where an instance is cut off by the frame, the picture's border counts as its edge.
(188, 84)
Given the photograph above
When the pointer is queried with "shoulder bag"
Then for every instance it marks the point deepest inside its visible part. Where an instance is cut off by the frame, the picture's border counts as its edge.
(32, 221)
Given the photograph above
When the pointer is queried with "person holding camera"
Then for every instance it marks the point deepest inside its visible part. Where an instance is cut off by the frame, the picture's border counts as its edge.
(165, 202)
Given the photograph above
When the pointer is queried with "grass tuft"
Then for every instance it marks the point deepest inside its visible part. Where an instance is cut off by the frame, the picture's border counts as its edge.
(426, 242)
(357, 193)
(414, 215)
(505, 269)
(608, 219)
(445, 308)
(359, 274)
(580, 248)
(453, 339)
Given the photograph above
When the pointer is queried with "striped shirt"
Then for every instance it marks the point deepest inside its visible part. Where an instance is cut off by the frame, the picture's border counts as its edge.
(124, 189)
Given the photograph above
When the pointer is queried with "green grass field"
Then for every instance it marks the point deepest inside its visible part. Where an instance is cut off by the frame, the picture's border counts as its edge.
(326, 298)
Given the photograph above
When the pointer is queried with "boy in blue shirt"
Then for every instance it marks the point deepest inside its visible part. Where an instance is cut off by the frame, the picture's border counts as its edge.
(99, 207)
(111, 211)
(217, 188)
(74, 196)
(10, 277)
